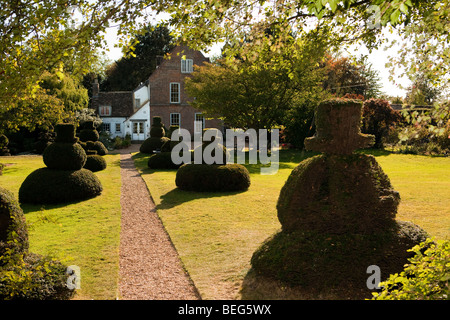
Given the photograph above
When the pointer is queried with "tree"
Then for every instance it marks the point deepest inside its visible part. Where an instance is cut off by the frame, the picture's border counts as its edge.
(422, 92)
(139, 60)
(256, 91)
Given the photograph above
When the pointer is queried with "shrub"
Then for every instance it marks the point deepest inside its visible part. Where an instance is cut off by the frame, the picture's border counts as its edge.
(153, 143)
(95, 145)
(202, 177)
(378, 118)
(3, 141)
(45, 186)
(64, 156)
(162, 160)
(157, 128)
(425, 277)
(95, 163)
(89, 135)
(33, 277)
(65, 133)
(13, 229)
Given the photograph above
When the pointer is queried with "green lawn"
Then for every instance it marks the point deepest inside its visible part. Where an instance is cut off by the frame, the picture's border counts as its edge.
(84, 233)
(217, 233)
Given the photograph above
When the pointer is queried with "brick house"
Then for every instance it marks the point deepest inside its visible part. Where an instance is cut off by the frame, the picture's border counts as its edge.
(163, 94)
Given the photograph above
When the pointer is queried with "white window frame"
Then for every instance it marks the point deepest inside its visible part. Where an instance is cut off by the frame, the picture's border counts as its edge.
(102, 109)
(179, 119)
(187, 65)
(120, 127)
(195, 122)
(106, 125)
(171, 93)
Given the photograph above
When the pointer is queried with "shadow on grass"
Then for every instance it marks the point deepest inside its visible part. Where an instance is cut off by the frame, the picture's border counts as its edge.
(177, 196)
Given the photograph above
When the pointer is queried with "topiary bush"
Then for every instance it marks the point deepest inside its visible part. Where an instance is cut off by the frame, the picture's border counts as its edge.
(157, 138)
(337, 213)
(95, 163)
(89, 133)
(213, 178)
(64, 156)
(152, 144)
(24, 275)
(13, 228)
(47, 186)
(162, 160)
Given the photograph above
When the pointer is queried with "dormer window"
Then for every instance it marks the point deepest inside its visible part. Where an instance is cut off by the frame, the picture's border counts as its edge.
(187, 65)
(104, 111)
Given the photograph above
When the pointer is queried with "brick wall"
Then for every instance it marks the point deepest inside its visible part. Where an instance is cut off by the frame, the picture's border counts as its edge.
(170, 71)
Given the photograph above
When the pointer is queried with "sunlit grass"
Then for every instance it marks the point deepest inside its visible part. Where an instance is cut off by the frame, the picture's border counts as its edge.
(84, 233)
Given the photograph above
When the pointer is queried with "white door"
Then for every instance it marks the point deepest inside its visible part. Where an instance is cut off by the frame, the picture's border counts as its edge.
(138, 131)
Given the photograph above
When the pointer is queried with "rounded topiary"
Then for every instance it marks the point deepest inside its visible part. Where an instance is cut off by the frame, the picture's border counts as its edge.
(211, 150)
(64, 156)
(89, 133)
(97, 146)
(157, 128)
(337, 194)
(46, 186)
(95, 163)
(162, 160)
(13, 228)
(153, 143)
(202, 177)
(315, 264)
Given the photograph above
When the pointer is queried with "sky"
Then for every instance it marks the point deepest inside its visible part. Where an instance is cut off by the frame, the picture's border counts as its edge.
(377, 58)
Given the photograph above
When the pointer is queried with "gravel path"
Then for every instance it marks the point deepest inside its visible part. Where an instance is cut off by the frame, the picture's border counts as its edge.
(149, 267)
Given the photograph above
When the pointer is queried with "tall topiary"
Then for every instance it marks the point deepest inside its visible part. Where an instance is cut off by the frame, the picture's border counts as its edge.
(64, 178)
(337, 213)
(89, 139)
(157, 138)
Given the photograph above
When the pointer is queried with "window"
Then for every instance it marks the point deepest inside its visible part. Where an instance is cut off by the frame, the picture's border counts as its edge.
(199, 123)
(186, 65)
(138, 127)
(175, 119)
(137, 103)
(106, 127)
(118, 128)
(174, 92)
(104, 111)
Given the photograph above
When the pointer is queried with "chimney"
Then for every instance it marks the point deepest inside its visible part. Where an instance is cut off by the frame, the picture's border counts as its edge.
(95, 88)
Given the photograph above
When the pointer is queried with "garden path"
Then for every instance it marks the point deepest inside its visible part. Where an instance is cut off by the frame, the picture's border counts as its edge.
(149, 266)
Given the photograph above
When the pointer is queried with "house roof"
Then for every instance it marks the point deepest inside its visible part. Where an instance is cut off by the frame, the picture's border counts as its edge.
(121, 102)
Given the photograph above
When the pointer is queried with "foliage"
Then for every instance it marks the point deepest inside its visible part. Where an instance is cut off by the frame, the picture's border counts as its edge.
(162, 160)
(257, 90)
(120, 143)
(87, 114)
(425, 132)
(378, 119)
(64, 156)
(95, 145)
(212, 178)
(140, 59)
(47, 186)
(13, 228)
(40, 111)
(425, 277)
(95, 163)
(345, 75)
(33, 277)
(67, 89)
(421, 92)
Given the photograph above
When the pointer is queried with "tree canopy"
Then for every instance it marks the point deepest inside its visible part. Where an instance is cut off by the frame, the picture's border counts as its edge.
(139, 60)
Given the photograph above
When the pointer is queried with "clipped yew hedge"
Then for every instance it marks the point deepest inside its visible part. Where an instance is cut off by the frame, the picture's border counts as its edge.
(214, 178)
